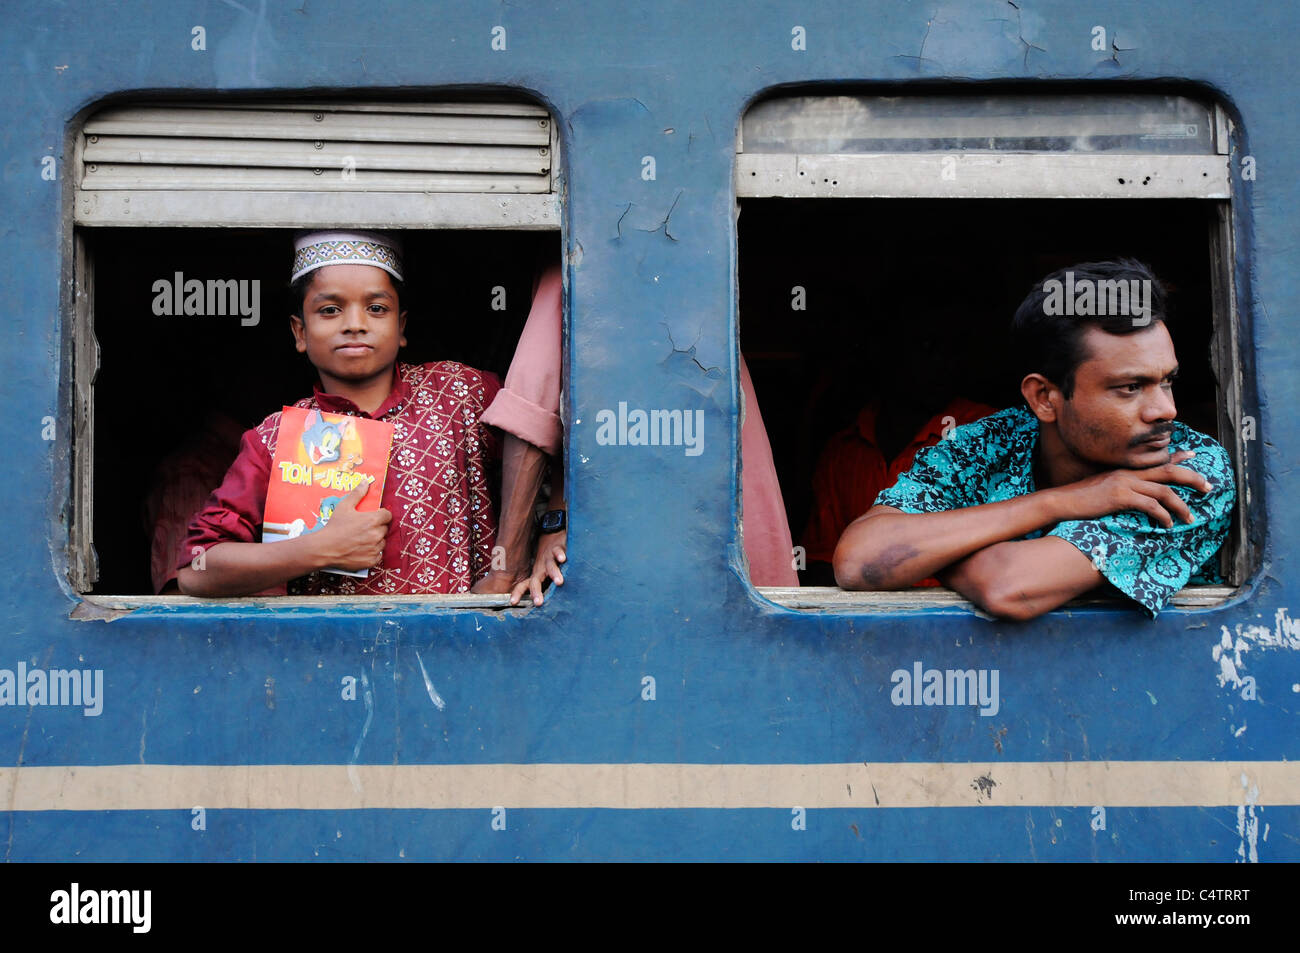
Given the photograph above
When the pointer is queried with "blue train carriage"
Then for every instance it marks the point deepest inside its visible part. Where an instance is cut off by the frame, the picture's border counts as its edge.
(799, 185)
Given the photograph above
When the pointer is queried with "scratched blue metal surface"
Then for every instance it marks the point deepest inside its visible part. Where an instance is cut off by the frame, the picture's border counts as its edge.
(913, 834)
(653, 584)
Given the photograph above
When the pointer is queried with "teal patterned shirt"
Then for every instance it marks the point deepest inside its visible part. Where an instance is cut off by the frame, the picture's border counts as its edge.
(993, 459)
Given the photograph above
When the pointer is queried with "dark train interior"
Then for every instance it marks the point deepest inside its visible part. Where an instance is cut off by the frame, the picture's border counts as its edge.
(192, 376)
(911, 298)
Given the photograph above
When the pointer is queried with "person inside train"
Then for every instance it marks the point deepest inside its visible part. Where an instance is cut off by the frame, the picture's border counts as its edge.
(527, 407)
(915, 400)
(435, 528)
(178, 487)
(1094, 482)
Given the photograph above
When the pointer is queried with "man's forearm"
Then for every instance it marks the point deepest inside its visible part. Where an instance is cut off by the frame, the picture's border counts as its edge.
(887, 549)
(240, 569)
(1023, 578)
(522, 468)
(557, 487)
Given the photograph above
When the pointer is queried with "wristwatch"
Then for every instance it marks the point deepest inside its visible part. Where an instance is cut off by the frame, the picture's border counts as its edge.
(553, 521)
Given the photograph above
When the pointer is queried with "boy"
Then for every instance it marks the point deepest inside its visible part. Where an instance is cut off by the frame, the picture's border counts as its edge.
(436, 527)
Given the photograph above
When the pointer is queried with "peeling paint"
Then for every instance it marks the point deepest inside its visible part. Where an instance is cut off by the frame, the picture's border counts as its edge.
(1020, 35)
(618, 226)
(1248, 823)
(713, 372)
(667, 217)
(434, 697)
(1228, 654)
(1233, 644)
(983, 787)
(369, 696)
(1284, 634)
(87, 611)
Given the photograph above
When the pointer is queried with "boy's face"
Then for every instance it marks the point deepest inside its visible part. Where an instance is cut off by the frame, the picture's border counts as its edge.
(350, 327)
(1122, 408)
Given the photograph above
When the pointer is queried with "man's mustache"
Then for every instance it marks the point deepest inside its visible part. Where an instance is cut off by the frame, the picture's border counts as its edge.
(1153, 435)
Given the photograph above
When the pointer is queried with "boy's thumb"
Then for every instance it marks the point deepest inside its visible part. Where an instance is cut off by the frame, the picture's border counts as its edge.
(358, 493)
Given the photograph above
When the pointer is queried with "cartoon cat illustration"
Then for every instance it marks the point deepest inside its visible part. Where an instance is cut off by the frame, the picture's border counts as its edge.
(323, 514)
(321, 440)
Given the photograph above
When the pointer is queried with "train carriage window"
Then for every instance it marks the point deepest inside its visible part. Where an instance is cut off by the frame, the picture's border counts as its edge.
(215, 193)
(898, 234)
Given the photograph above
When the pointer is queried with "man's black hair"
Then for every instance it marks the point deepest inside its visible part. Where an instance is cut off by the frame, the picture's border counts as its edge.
(298, 291)
(1052, 344)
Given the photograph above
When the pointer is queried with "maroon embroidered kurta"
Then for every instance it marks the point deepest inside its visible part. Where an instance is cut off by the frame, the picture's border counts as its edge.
(444, 524)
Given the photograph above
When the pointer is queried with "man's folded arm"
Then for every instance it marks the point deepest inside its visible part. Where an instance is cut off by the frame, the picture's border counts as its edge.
(890, 549)
(1021, 579)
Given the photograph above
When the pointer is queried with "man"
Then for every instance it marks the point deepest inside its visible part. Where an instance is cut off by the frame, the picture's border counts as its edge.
(527, 409)
(1095, 483)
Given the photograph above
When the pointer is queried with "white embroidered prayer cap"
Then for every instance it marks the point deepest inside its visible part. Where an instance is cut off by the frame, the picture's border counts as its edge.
(313, 250)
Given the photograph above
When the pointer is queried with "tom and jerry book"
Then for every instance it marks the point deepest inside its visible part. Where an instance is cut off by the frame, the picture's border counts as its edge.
(319, 459)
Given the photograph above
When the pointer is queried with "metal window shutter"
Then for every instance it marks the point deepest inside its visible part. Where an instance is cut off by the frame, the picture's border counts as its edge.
(363, 164)
(936, 146)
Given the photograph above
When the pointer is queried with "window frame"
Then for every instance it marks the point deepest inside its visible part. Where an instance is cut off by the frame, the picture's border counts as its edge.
(1029, 175)
(217, 208)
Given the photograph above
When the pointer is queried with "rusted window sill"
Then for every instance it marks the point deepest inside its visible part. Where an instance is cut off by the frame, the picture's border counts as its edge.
(110, 607)
(838, 600)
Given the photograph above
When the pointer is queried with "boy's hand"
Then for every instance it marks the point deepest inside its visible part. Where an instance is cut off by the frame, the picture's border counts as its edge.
(1146, 491)
(352, 540)
(550, 553)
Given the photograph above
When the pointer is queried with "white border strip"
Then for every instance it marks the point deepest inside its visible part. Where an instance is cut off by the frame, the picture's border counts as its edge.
(158, 787)
(430, 210)
(1014, 175)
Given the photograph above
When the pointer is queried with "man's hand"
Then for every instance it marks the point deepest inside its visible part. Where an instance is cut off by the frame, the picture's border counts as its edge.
(496, 582)
(1147, 491)
(550, 553)
(352, 540)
